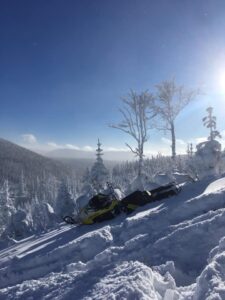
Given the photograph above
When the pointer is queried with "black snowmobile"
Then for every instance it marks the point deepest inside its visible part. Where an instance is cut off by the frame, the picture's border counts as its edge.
(104, 207)
(139, 198)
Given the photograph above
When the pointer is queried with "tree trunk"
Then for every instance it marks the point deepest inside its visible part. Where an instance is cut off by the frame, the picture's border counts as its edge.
(173, 146)
(140, 163)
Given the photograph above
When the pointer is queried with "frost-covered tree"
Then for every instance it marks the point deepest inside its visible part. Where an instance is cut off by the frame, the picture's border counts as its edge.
(210, 122)
(20, 225)
(22, 197)
(6, 204)
(43, 215)
(22, 184)
(137, 113)
(208, 154)
(86, 179)
(99, 174)
(65, 204)
(170, 100)
(190, 150)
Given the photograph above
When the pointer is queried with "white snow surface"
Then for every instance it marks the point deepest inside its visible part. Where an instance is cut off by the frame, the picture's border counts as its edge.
(216, 186)
(168, 250)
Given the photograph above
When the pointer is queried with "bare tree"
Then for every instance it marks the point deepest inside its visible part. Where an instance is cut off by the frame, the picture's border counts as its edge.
(170, 101)
(137, 113)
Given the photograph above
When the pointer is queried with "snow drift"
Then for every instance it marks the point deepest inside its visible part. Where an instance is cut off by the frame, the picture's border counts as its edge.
(168, 250)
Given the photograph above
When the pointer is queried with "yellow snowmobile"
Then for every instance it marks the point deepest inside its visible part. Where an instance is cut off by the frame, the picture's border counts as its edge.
(104, 207)
(100, 208)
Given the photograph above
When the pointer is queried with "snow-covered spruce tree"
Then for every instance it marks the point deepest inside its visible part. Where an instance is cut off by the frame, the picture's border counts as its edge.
(190, 150)
(208, 154)
(99, 174)
(22, 198)
(20, 225)
(15, 211)
(170, 100)
(65, 204)
(137, 113)
(210, 122)
(6, 205)
(86, 176)
(86, 181)
(43, 215)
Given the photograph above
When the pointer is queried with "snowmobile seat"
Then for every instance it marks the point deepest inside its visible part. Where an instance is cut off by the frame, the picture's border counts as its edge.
(164, 191)
(134, 200)
(100, 201)
(137, 198)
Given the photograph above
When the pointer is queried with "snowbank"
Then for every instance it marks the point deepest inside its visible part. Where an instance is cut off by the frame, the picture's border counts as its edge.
(133, 280)
(211, 282)
(155, 253)
(215, 186)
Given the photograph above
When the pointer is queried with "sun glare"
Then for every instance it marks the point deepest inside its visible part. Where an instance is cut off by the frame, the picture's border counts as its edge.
(222, 82)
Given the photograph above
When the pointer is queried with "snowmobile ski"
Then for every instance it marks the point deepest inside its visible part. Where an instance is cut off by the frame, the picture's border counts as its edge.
(69, 220)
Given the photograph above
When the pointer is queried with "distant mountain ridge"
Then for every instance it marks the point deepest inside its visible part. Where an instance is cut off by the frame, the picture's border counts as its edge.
(79, 154)
(15, 159)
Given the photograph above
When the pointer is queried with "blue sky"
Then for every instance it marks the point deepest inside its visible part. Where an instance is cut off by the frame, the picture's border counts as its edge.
(64, 66)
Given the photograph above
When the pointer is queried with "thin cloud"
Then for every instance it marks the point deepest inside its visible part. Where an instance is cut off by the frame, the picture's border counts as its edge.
(53, 145)
(222, 132)
(113, 149)
(166, 141)
(29, 139)
(200, 140)
(70, 146)
(61, 146)
(181, 142)
(88, 148)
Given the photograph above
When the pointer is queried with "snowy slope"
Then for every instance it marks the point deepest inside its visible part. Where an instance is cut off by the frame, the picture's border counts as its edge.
(172, 249)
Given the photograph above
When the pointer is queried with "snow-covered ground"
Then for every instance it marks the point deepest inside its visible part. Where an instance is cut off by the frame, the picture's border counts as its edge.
(168, 250)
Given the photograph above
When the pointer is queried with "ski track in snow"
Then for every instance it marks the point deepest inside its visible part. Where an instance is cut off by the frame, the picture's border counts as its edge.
(150, 254)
